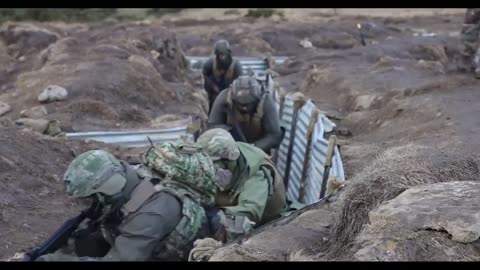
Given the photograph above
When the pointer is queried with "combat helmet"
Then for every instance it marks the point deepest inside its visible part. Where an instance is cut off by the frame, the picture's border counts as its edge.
(94, 172)
(219, 144)
(222, 47)
(246, 90)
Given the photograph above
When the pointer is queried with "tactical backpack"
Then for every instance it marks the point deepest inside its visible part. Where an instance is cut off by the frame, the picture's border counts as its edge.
(184, 164)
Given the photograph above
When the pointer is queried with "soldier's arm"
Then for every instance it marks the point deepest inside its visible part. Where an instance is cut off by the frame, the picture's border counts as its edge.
(218, 114)
(252, 198)
(207, 71)
(143, 230)
(271, 122)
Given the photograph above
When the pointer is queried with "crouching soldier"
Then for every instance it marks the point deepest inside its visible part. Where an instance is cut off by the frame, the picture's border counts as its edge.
(151, 211)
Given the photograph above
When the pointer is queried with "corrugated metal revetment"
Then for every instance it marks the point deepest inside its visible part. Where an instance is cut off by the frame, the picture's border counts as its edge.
(247, 63)
(315, 162)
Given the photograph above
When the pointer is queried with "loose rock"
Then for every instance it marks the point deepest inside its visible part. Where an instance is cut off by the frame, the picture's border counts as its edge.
(34, 112)
(364, 102)
(53, 93)
(39, 125)
(4, 108)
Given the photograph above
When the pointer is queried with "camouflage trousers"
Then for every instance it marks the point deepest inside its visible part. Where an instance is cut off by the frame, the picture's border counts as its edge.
(470, 39)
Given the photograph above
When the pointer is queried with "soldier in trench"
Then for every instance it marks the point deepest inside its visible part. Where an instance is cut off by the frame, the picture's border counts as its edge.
(220, 70)
(249, 113)
(144, 214)
(252, 190)
(470, 42)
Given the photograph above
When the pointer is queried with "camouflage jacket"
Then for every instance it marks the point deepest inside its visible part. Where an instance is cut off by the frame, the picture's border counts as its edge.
(257, 190)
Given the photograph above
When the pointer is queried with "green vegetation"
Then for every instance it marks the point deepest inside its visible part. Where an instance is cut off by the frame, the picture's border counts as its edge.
(55, 14)
(80, 14)
(264, 12)
(232, 12)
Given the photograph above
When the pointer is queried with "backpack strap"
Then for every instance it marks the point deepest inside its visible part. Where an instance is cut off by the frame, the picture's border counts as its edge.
(230, 70)
(229, 98)
(259, 111)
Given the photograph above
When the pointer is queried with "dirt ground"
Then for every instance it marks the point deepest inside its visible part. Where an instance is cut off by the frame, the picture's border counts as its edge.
(402, 87)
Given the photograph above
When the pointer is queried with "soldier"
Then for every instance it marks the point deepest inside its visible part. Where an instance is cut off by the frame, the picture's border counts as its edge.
(470, 37)
(252, 191)
(147, 214)
(249, 112)
(220, 70)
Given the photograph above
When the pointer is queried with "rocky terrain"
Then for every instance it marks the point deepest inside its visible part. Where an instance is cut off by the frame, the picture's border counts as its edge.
(413, 127)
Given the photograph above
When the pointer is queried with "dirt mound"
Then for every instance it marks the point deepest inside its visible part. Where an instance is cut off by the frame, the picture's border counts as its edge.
(32, 196)
(118, 73)
(32, 199)
(394, 171)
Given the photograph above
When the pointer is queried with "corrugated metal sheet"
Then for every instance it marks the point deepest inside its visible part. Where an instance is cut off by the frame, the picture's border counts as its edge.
(319, 145)
(286, 121)
(131, 138)
(253, 63)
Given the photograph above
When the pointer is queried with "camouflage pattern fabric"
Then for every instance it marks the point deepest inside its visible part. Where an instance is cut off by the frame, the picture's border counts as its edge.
(163, 228)
(92, 172)
(219, 144)
(470, 38)
(192, 226)
(183, 163)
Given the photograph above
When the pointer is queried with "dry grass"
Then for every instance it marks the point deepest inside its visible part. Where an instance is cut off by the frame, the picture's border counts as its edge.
(300, 256)
(394, 171)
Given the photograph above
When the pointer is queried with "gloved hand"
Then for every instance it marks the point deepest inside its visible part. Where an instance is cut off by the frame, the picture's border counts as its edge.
(223, 178)
(203, 249)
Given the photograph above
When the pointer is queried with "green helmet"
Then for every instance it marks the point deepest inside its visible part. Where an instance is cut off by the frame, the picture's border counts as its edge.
(222, 46)
(92, 172)
(219, 144)
(246, 90)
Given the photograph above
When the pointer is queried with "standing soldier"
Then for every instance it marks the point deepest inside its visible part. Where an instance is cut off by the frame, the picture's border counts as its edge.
(220, 70)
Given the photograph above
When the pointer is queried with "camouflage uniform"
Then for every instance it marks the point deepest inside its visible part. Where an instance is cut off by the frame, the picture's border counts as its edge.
(259, 122)
(470, 37)
(218, 74)
(154, 218)
(256, 190)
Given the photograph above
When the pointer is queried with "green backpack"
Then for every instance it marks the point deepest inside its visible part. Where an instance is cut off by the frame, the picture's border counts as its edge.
(184, 164)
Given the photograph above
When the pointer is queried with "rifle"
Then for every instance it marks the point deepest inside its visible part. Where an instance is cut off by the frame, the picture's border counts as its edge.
(61, 235)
